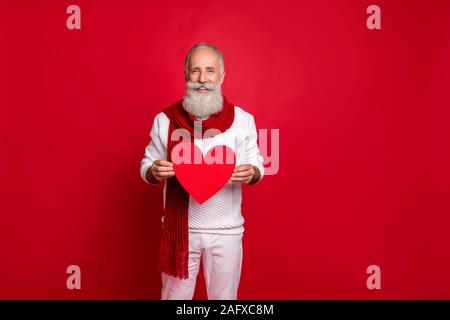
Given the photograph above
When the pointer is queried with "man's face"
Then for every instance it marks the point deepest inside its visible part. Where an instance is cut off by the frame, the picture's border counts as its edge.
(204, 67)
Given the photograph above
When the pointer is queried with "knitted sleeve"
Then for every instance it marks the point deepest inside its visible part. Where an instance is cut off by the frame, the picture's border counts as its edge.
(155, 150)
(252, 154)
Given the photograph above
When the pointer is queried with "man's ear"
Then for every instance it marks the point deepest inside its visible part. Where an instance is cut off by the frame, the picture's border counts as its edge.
(223, 78)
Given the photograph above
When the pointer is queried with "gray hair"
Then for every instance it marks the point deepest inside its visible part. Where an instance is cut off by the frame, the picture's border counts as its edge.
(201, 46)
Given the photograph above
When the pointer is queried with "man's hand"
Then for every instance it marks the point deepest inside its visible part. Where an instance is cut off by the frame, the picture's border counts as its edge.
(159, 171)
(246, 173)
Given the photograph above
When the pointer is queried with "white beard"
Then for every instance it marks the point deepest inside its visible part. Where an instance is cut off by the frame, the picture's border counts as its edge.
(204, 104)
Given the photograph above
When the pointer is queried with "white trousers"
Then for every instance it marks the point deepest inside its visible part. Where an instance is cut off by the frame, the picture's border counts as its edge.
(222, 261)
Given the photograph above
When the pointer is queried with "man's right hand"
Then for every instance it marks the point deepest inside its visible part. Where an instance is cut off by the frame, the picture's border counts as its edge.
(159, 171)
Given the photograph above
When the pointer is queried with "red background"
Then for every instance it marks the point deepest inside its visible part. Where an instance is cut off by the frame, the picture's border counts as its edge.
(364, 144)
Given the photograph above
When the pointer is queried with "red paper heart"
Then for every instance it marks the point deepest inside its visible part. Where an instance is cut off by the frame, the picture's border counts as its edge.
(202, 177)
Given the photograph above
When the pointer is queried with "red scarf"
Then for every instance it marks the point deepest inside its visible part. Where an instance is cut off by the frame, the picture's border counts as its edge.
(174, 247)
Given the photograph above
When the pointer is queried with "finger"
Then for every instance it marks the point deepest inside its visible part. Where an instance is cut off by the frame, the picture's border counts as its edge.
(242, 167)
(242, 174)
(163, 163)
(162, 169)
(239, 179)
(164, 174)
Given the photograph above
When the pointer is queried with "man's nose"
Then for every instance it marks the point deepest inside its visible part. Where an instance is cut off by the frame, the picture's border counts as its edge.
(202, 78)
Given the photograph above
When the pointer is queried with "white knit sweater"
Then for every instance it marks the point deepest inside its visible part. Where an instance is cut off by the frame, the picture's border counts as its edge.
(222, 212)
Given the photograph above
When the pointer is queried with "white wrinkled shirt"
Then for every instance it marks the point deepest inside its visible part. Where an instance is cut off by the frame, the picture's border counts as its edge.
(222, 212)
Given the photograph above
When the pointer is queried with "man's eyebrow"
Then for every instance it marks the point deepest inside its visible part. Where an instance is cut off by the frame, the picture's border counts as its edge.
(207, 68)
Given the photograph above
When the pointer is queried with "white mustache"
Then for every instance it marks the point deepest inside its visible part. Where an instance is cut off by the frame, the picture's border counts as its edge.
(198, 85)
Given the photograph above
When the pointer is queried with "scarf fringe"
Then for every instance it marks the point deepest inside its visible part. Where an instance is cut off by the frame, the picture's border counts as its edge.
(174, 263)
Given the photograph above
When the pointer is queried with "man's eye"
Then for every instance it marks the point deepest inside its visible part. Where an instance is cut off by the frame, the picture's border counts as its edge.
(195, 71)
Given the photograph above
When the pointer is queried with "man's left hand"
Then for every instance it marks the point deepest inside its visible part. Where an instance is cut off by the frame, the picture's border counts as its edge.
(246, 173)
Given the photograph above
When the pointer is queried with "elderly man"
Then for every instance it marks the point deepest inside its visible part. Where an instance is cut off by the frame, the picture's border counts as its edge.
(212, 230)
